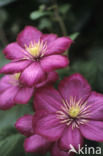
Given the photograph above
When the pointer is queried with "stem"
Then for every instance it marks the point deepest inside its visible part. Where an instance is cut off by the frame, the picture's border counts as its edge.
(59, 19)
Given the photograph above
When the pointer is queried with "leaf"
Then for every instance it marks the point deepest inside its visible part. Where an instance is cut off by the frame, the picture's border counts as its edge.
(45, 23)
(3, 16)
(3, 61)
(96, 54)
(9, 117)
(74, 35)
(10, 143)
(37, 14)
(5, 2)
(86, 68)
(10, 139)
(64, 8)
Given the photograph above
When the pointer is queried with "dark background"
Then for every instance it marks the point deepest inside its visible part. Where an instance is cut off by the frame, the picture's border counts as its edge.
(82, 20)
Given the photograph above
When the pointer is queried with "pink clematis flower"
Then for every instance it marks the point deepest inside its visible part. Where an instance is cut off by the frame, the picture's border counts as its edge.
(35, 143)
(70, 114)
(12, 91)
(35, 54)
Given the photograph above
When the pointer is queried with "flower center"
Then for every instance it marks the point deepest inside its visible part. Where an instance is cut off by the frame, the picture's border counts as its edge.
(36, 49)
(14, 79)
(17, 76)
(74, 111)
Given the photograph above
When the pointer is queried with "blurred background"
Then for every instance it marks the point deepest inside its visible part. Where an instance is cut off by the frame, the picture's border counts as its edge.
(82, 20)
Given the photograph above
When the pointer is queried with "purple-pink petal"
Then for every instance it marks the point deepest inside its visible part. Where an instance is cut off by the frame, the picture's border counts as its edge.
(36, 144)
(29, 34)
(7, 98)
(14, 67)
(71, 137)
(23, 95)
(48, 126)
(93, 130)
(5, 83)
(52, 62)
(33, 74)
(95, 103)
(14, 51)
(24, 125)
(56, 151)
(58, 46)
(75, 86)
(48, 38)
(48, 99)
(51, 77)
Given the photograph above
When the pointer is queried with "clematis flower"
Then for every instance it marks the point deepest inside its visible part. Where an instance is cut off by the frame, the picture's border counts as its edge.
(35, 54)
(12, 91)
(35, 143)
(69, 114)
(56, 151)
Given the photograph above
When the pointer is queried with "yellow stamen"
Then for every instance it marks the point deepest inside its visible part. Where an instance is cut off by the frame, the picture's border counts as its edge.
(35, 49)
(17, 76)
(74, 111)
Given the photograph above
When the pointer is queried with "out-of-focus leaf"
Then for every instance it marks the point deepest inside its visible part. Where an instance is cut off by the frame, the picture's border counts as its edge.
(8, 144)
(45, 23)
(64, 8)
(96, 54)
(5, 2)
(10, 139)
(85, 68)
(37, 14)
(74, 35)
(3, 61)
(3, 16)
(9, 117)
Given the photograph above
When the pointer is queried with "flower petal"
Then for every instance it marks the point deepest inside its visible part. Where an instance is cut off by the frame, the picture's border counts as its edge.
(32, 75)
(56, 151)
(59, 45)
(23, 95)
(36, 144)
(51, 77)
(95, 101)
(75, 86)
(7, 98)
(24, 125)
(48, 99)
(27, 35)
(48, 38)
(71, 137)
(47, 125)
(53, 62)
(93, 130)
(4, 83)
(14, 67)
(14, 51)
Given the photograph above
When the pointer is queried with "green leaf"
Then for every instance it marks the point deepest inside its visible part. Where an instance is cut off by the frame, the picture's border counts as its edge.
(9, 117)
(96, 54)
(3, 16)
(64, 8)
(3, 61)
(5, 2)
(74, 35)
(45, 23)
(37, 14)
(8, 144)
(86, 68)
(10, 139)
